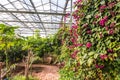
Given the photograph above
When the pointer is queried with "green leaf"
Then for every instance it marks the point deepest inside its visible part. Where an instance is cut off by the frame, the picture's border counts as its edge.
(90, 61)
(118, 4)
(91, 53)
(95, 56)
(115, 54)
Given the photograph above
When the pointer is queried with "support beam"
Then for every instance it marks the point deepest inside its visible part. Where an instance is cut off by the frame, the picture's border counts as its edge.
(37, 14)
(31, 12)
(32, 22)
(64, 11)
(14, 16)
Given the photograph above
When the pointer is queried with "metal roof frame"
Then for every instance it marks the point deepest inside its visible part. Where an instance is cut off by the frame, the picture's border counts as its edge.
(40, 16)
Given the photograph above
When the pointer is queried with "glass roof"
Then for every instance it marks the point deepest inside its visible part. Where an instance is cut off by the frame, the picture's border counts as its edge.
(29, 15)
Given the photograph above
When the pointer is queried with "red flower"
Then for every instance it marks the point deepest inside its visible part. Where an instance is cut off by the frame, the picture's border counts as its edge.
(88, 45)
(103, 56)
(103, 21)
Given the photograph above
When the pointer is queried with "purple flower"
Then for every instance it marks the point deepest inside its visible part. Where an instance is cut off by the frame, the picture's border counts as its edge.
(88, 45)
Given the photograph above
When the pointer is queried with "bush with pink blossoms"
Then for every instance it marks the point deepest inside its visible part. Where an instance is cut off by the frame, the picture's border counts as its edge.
(98, 33)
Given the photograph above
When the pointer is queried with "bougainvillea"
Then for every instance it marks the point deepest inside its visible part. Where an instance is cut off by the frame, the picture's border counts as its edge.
(94, 42)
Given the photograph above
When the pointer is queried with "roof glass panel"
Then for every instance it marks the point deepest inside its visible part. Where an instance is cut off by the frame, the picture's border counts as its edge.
(45, 15)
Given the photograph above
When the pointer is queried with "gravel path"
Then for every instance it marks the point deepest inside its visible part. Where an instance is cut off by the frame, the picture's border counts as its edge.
(48, 72)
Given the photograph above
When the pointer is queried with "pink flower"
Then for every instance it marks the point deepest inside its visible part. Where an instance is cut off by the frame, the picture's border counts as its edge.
(75, 26)
(78, 45)
(79, 1)
(111, 31)
(85, 25)
(111, 4)
(112, 13)
(88, 45)
(89, 32)
(70, 31)
(73, 40)
(74, 54)
(66, 16)
(97, 16)
(107, 28)
(112, 25)
(99, 66)
(71, 47)
(94, 22)
(102, 7)
(103, 56)
(103, 21)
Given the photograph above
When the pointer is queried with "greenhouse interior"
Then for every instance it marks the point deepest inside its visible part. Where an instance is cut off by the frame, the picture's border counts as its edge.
(59, 39)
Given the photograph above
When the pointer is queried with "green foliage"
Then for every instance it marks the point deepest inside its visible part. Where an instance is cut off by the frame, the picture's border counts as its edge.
(94, 42)
(17, 47)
